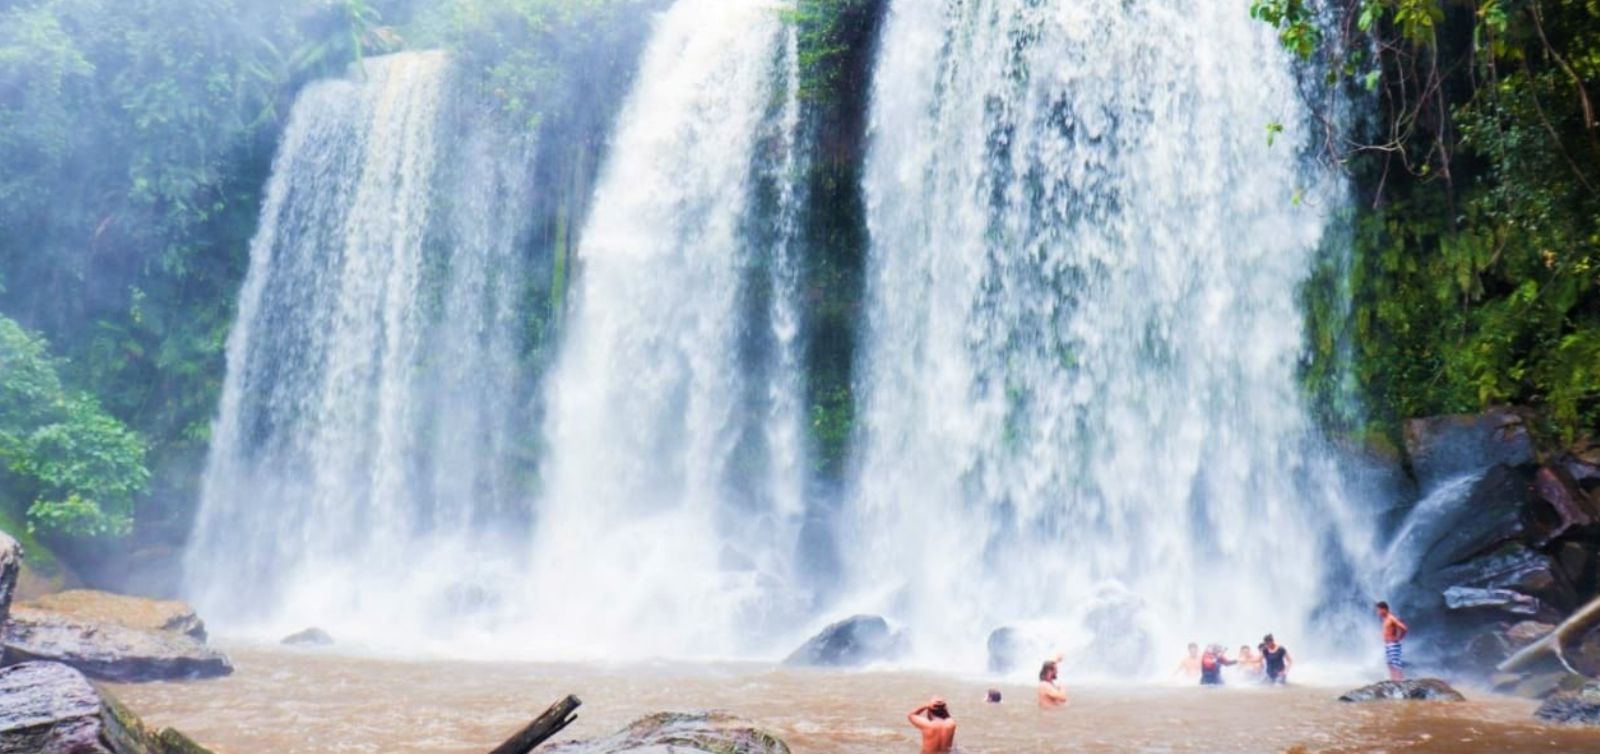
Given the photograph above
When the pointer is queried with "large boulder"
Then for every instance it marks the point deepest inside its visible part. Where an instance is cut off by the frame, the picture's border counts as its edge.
(1581, 707)
(1563, 505)
(1440, 447)
(852, 642)
(1011, 649)
(10, 569)
(311, 637)
(49, 708)
(681, 733)
(1422, 689)
(133, 612)
(109, 651)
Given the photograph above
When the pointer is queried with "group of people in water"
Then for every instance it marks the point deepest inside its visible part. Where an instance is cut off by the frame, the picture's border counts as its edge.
(1268, 663)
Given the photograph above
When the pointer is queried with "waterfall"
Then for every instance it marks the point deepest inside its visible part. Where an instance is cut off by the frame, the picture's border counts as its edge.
(365, 464)
(1079, 396)
(672, 503)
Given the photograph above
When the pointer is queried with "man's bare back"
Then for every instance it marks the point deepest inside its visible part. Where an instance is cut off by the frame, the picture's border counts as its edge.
(937, 726)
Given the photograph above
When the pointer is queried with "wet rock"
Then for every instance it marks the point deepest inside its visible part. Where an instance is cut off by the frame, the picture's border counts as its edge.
(1422, 689)
(1116, 622)
(852, 642)
(681, 733)
(1492, 513)
(133, 612)
(1580, 707)
(1583, 654)
(1503, 600)
(1577, 562)
(311, 637)
(1440, 447)
(109, 651)
(49, 708)
(1514, 568)
(1541, 685)
(1526, 633)
(1564, 505)
(1012, 649)
(10, 569)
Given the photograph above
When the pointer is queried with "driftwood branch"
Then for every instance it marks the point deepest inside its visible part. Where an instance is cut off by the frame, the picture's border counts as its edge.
(542, 729)
(1571, 630)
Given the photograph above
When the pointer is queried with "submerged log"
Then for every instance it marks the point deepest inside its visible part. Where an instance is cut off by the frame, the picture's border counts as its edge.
(543, 727)
(1572, 629)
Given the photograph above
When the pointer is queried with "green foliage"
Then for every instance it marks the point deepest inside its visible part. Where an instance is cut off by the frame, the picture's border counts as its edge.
(81, 467)
(1475, 274)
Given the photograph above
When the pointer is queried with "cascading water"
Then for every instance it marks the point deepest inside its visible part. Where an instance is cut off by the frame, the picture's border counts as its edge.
(672, 507)
(364, 465)
(1080, 403)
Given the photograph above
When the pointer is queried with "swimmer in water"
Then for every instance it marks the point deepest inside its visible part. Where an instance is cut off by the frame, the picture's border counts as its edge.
(937, 726)
(1250, 663)
(1051, 695)
(1211, 664)
(1189, 667)
(1277, 660)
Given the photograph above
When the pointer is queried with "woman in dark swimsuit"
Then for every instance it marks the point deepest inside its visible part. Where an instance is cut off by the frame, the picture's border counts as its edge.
(1277, 660)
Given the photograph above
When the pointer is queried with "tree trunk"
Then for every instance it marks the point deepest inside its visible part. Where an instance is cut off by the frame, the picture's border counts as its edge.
(543, 727)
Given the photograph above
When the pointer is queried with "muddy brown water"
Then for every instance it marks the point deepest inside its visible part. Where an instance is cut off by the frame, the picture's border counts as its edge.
(283, 701)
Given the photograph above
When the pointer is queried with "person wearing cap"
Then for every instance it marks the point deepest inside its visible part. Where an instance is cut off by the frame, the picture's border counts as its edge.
(937, 726)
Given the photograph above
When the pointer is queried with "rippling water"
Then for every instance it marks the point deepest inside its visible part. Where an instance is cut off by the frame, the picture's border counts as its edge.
(313, 702)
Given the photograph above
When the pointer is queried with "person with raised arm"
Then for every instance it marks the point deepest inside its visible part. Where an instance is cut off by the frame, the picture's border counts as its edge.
(937, 726)
(1051, 695)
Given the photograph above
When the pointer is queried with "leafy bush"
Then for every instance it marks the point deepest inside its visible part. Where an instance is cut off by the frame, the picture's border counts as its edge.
(81, 467)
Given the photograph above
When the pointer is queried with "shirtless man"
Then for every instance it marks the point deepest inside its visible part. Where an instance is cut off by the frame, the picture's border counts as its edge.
(937, 726)
(1051, 695)
(1250, 663)
(1189, 667)
(1394, 632)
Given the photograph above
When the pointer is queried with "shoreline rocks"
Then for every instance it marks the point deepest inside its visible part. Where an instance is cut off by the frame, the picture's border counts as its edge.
(1580, 707)
(49, 708)
(852, 642)
(134, 612)
(681, 733)
(109, 651)
(1421, 689)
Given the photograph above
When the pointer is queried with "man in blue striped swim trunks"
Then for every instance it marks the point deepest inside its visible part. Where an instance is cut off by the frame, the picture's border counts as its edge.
(1394, 632)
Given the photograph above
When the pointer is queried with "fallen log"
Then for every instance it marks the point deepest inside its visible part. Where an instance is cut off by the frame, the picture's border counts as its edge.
(543, 727)
(1572, 629)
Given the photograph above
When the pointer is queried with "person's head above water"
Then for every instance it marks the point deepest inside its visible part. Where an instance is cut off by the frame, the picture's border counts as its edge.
(994, 696)
(1047, 672)
(938, 710)
(1383, 608)
(1267, 641)
(1194, 649)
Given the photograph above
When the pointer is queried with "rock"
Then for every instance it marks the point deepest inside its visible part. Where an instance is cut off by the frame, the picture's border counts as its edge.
(1580, 707)
(1526, 633)
(1517, 568)
(852, 642)
(1541, 685)
(133, 612)
(311, 637)
(10, 569)
(1583, 654)
(1422, 689)
(49, 708)
(1564, 506)
(1441, 447)
(1017, 648)
(1115, 620)
(1504, 600)
(109, 651)
(1577, 562)
(680, 733)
